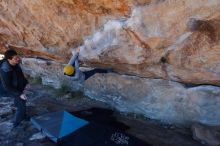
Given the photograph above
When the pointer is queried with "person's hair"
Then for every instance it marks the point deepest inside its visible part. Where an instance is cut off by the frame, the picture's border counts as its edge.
(10, 53)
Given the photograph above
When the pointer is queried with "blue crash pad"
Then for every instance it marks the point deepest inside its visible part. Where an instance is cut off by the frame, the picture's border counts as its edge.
(58, 125)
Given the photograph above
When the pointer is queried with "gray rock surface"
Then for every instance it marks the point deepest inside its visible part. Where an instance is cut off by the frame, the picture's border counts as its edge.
(157, 99)
(164, 100)
(209, 135)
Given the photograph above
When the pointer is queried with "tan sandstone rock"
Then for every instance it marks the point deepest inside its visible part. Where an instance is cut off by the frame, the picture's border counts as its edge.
(173, 40)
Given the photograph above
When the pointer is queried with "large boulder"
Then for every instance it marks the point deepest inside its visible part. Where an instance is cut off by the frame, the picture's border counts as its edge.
(172, 40)
(168, 101)
(167, 45)
(55, 26)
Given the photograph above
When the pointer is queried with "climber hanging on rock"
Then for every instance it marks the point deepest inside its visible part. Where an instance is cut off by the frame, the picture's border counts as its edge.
(73, 72)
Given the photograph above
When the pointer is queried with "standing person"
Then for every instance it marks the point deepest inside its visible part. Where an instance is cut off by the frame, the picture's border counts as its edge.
(13, 83)
(73, 72)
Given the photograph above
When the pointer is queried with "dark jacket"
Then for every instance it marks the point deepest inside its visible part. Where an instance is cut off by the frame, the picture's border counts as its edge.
(12, 80)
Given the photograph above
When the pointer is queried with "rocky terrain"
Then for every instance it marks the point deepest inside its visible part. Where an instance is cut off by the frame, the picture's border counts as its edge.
(44, 99)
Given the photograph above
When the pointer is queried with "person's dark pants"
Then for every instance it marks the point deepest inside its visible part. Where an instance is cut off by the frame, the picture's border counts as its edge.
(94, 71)
(20, 114)
(21, 108)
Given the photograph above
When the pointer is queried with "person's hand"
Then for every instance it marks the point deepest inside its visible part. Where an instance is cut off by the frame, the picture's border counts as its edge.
(23, 96)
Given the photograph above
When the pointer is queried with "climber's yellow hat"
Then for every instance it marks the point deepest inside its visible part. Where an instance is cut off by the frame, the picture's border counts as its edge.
(68, 70)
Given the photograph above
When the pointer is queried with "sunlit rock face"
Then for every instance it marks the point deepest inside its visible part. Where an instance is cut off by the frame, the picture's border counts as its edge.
(55, 26)
(173, 40)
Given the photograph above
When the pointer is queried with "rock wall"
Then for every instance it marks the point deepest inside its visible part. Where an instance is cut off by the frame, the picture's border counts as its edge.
(55, 26)
(167, 101)
(173, 42)
(170, 39)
